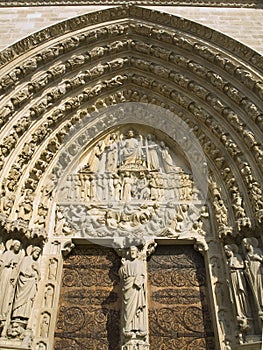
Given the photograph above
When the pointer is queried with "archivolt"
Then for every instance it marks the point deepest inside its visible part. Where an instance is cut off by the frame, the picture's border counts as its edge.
(53, 79)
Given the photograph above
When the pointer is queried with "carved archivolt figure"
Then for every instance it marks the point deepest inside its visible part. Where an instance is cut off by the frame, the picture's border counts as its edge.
(254, 269)
(44, 327)
(52, 271)
(237, 280)
(26, 288)
(9, 262)
(49, 296)
(133, 276)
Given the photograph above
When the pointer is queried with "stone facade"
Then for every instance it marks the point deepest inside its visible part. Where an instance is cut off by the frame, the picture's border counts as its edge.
(131, 129)
(242, 24)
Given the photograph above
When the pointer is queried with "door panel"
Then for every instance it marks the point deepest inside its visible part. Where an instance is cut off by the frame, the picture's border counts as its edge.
(89, 310)
(178, 306)
(90, 300)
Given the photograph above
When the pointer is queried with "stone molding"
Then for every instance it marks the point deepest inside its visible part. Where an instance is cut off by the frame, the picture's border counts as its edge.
(197, 104)
(186, 26)
(204, 3)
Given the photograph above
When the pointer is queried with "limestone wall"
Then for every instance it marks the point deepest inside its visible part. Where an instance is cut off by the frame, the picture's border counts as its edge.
(244, 25)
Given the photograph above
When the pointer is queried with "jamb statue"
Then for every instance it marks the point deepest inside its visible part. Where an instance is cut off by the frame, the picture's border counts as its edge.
(26, 288)
(254, 270)
(237, 280)
(9, 264)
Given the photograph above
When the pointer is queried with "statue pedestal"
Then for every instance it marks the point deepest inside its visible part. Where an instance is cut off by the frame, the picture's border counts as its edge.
(136, 344)
(250, 346)
(13, 344)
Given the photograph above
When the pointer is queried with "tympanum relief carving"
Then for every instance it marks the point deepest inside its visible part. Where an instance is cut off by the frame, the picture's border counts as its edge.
(130, 183)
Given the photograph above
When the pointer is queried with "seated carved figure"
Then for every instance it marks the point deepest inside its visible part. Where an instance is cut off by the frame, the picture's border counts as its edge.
(131, 152)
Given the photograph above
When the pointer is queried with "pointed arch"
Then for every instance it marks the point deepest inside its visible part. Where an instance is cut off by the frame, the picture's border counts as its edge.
(52, 79)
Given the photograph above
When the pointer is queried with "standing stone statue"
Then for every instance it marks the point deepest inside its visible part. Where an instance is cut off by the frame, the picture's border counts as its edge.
(95, 157)
(167, 159)
(26, 288)
(9, 262)
(133, 276)
(112, 154)
(152, 154)
(127, 187)
(254, 269)
(237, 282)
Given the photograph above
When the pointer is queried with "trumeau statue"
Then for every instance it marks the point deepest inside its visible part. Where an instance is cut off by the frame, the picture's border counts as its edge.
(133, 276)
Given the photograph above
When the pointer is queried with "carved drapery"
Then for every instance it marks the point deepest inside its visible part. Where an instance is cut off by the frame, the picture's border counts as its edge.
(182, 62)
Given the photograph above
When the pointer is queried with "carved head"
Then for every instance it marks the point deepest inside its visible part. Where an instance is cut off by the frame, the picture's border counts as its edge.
(144, 218)
(130, 133)
(16, 246)
(113, 137)
(150, 137)
(250, 243)
(231, 249)
(36, 252)
(133, 252)
(162, 144)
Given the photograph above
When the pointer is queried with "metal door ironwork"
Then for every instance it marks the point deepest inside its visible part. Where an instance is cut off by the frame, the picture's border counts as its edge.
(90, 300)
(178, 316)
(89, 310)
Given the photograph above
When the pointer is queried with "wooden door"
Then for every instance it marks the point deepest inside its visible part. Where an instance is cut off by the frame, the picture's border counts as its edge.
(89, 311)
(178, 302)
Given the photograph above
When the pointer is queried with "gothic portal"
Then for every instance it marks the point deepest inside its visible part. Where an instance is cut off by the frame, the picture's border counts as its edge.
(131, 186)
